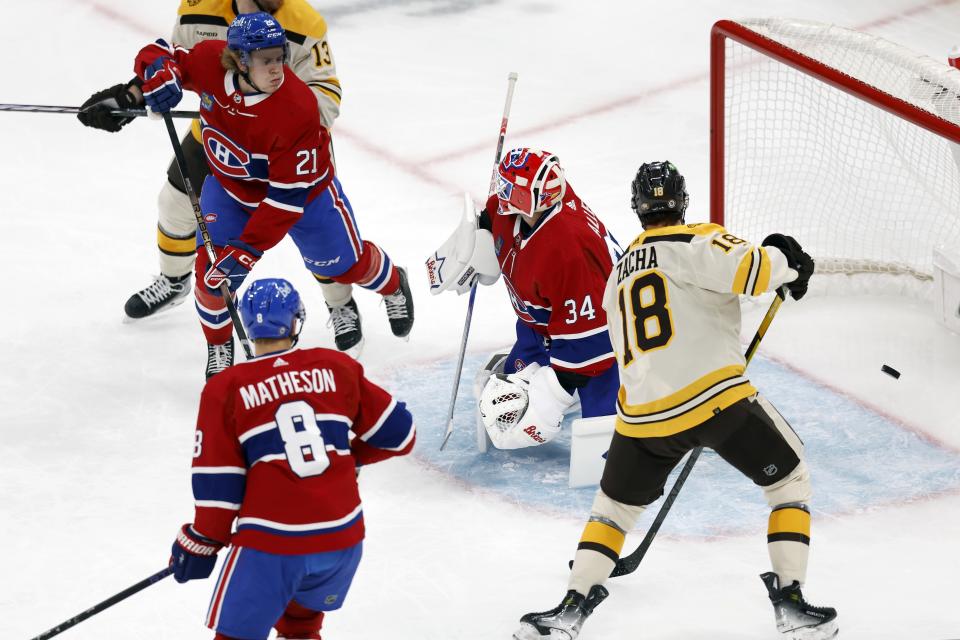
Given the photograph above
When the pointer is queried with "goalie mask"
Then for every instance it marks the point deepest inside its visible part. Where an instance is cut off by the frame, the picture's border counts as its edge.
(658, 188)
(528, 181)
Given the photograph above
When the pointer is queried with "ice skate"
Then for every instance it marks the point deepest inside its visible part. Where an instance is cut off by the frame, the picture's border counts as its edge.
(797, 619)
(564, 621)
(219, 357)
(400, 307)
(162, 294)
(347, 332)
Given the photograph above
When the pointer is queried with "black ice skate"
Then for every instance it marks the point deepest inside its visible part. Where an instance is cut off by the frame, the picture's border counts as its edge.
(219, 357)
(796, 619)
(564, 621)
(400, 307)
(347, 333)
(162, 294)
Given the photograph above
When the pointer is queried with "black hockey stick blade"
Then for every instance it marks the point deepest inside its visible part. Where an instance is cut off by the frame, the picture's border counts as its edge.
(106, 604)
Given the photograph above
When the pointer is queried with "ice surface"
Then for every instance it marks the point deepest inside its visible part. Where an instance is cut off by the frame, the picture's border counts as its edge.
(96, 417)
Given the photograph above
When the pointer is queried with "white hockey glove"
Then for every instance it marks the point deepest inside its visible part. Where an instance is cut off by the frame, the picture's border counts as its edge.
(523, 409)
(465, 258)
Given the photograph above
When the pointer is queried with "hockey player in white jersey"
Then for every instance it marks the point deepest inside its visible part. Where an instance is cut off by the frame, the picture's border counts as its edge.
(673, 310)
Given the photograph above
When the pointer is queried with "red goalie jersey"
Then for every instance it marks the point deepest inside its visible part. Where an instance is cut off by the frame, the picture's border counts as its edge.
(268, 151)
(555, 274)
(277, 445)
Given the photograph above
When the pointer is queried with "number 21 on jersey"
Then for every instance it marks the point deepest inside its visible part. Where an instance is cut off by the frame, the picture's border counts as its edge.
(644, 315)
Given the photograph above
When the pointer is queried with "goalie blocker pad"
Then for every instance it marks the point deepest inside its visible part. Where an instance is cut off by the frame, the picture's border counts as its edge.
(467, 257)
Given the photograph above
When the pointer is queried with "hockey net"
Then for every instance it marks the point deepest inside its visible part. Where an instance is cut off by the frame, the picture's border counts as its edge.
(842, 139)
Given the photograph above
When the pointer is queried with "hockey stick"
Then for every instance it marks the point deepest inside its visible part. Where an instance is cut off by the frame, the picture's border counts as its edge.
(204, 234)
(629, 563)
(511, 84)
(117, 113)
(106, 604)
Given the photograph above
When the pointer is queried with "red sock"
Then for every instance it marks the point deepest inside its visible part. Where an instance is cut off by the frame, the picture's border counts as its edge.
(214, 317)
(299, 623)
(374, 271)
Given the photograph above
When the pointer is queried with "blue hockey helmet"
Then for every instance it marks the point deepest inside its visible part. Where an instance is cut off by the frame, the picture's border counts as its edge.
(252, 31)
(271, 309)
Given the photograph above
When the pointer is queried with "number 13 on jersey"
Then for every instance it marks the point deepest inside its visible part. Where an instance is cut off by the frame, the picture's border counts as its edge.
(644, 315)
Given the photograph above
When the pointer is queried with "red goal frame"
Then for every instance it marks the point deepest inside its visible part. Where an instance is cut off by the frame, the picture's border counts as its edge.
(724, 29)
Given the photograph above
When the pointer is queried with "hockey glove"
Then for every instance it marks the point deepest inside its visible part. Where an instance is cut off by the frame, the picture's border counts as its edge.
(161, 86)
(466, 258)
(193, 556)
(232, 266)
(95, 112)
(797, 259)
(523, 409)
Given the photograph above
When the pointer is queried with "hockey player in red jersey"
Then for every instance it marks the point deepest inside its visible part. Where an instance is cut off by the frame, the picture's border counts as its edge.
(555, 256)
(272, 173)
(277, 446)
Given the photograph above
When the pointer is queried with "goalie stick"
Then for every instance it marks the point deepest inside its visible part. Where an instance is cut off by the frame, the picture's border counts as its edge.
(119, 113)
(511, 84)
(106, 604)
(205, 235)
(629, 563)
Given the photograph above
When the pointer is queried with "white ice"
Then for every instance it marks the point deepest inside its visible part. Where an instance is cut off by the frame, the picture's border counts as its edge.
(97, 416)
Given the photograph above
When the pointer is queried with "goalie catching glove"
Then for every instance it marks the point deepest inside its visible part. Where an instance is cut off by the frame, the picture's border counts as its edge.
(467, 257)
(523, 409)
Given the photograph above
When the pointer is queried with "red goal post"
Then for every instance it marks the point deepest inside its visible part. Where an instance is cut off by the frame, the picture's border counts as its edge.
(843, 139)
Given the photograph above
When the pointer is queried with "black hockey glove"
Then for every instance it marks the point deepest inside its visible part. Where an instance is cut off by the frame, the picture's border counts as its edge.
(96, 110)
(797, 259)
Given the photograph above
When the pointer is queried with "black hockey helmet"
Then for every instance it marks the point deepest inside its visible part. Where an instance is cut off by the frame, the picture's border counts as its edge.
(659, 188)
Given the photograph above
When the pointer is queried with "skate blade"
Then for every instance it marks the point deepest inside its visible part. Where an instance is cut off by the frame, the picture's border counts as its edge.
(825, 631)
(529, 632)
(176, 303)
(355, 351)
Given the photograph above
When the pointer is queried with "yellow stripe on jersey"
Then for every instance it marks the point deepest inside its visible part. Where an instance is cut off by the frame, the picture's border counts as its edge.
(301, 18)
(763, 278)
(743, 272)
(329, 91)
(684, 409)
(693, 229)
(176, 246)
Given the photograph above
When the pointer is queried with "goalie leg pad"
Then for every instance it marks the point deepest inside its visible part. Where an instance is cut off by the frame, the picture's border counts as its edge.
(602, 541)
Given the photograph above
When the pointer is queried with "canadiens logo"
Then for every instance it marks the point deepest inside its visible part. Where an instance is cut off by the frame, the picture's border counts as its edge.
(224, 154)
(518, 305)
(206, 102)
(210, 217)
(516, 158)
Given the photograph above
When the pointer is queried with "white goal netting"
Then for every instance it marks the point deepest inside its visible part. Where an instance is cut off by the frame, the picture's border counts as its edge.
(863, 190)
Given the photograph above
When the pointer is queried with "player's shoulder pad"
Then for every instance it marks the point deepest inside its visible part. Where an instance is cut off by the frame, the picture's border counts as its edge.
(301, 21)
(212, 8)
(678, 233)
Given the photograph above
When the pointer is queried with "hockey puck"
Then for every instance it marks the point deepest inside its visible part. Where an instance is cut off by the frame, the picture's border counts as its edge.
(890, 371)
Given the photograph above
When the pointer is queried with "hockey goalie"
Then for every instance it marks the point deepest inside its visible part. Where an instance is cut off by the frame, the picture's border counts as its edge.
(554, 255)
